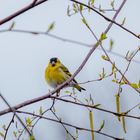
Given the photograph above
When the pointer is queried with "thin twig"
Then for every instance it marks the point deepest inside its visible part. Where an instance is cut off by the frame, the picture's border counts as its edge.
(62, 39)
(94, 107)
(107, 29)
(14, 111)
(74, 126)
(62, 124)
(12, 120)
(106, 18)
(36, 120)
(132, 108)
(34, 2)
(21, 11)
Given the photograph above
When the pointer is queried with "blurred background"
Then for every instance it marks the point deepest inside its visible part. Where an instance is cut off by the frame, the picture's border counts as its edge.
(24, 57)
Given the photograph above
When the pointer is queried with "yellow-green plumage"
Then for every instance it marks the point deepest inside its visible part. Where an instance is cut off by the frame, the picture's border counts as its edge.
(56, 73)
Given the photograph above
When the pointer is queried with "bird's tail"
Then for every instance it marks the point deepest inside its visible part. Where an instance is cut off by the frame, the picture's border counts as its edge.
(79, 88)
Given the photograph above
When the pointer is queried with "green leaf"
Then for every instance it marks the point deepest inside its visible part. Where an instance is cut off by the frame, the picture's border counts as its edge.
(81, 7)
(124, 80)
(102, 125)
(134, 85)
(103, 36)
(67, 135)
(28, 121)
(123, 22)
(91, 2)
(112, 4)
(34, 33)
(105, 58)
(51, 27)
(111, 44)
(118, 105)
(40, 110)
(68, 92)
(114, 80)
(15, 133)
(87, 100)
(1, 134)
(121, 83)
(32, 137)
(123, 124)
(68, 10)
(75, 9)
(139, 84)
(12, 26)
(91, 100)
(76, 134)
(100, 9)
(54, 110)
(91, 124)
(4, 127)
(103, 74)
(84, 21)
(97, 105)
(113, 67)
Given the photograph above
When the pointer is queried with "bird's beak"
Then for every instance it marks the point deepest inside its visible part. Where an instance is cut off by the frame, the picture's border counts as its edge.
(53, 63)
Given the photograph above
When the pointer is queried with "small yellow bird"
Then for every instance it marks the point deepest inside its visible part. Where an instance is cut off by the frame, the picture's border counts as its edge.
(56, 73)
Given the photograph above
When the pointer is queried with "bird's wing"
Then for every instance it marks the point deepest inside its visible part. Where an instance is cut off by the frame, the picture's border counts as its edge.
(67, 72)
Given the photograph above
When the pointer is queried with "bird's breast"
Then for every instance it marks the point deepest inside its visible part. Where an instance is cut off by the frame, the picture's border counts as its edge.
(55, 77)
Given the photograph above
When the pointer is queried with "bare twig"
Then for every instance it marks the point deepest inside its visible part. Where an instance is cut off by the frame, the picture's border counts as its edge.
(132, 108)
(14, 111)
(21, 11)
(74, 126)
(62, 39)
(34, 2)
(94, 107)
(53, 102)
(106, 18)
(37, 119)
(62, 124)
(12, 120)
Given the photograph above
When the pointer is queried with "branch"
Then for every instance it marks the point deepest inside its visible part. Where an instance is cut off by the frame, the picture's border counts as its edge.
(106, 18)
(62, 124)
(28, 7)
(62, 39)
(3, 112)
(74, 126)
(68, 80)
(15, 114)
(100, 109)
(107, 29)
(12, 120)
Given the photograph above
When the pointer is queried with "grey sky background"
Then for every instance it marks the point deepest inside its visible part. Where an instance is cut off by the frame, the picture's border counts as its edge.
(24, 57)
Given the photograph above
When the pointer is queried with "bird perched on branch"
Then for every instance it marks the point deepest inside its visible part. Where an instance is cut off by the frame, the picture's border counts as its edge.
(56, 74)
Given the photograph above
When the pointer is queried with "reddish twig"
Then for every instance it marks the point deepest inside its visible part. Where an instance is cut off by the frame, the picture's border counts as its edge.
(21, 11)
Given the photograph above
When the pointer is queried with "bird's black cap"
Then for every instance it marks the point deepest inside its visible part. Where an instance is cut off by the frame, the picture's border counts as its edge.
(54, 59)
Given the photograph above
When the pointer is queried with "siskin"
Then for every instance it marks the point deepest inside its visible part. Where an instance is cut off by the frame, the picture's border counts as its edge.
(56, 73)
